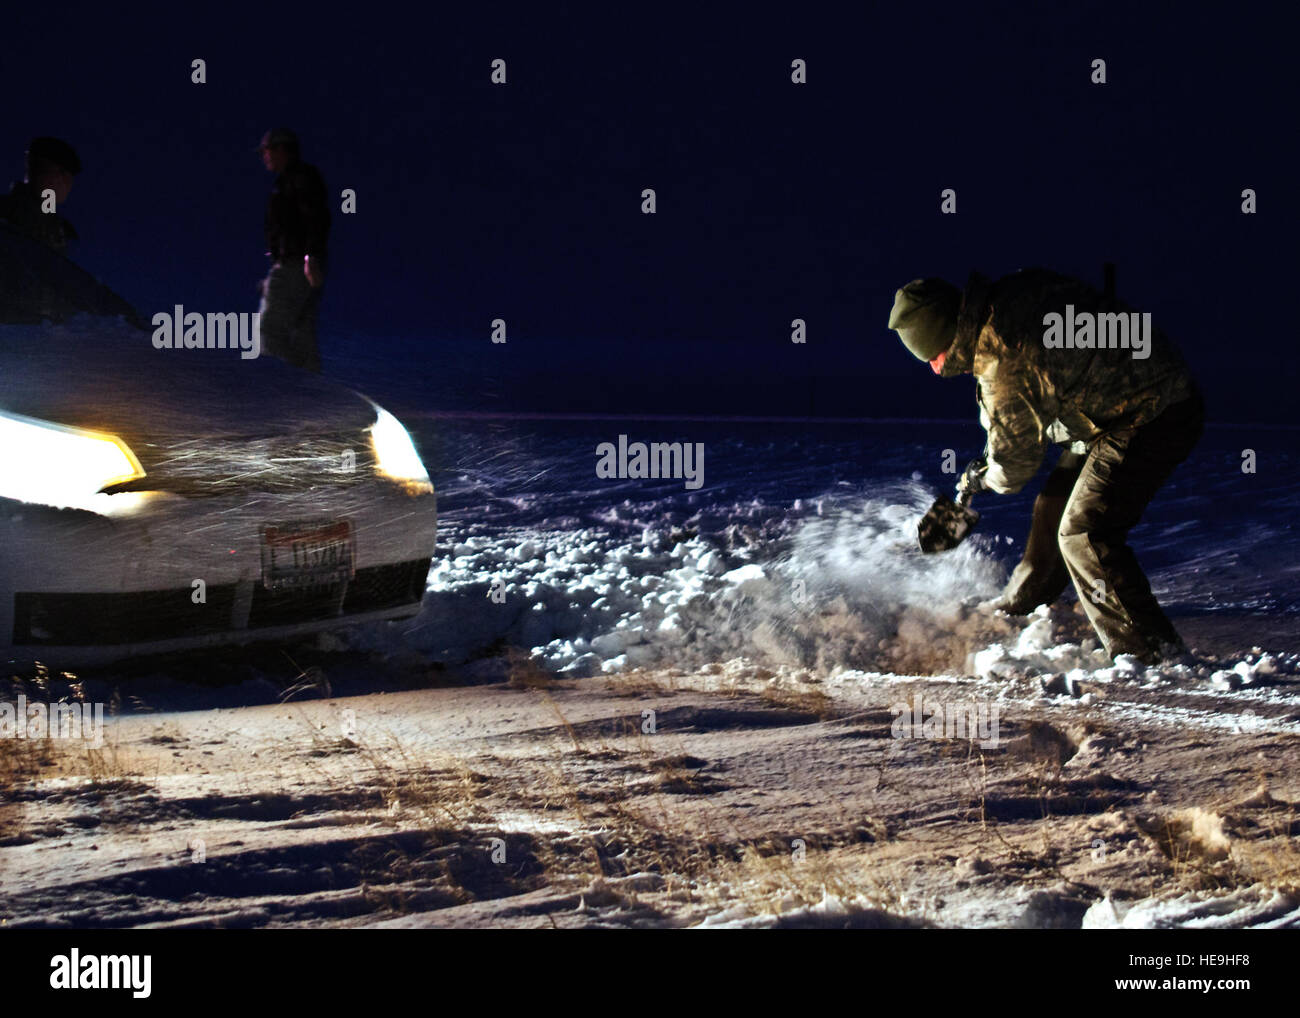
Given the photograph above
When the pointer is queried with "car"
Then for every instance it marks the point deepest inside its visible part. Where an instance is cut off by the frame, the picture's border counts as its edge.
(160, 500)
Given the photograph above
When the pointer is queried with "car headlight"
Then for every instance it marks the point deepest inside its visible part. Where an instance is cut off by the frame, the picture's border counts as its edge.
(60, 466)
(395, 455)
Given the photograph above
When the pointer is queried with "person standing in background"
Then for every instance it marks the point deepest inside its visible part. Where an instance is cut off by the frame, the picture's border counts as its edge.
(297, 232)
(32, 205)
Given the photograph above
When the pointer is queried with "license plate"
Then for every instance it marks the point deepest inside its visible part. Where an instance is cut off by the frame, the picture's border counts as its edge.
(305, 555)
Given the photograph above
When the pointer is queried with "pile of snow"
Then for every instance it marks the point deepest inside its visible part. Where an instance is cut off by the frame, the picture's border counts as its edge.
(1247, 673)
(829, 585)
(831, 912)
(1035, 650)
(835, 584)
(1255, 907)
(1038, 650)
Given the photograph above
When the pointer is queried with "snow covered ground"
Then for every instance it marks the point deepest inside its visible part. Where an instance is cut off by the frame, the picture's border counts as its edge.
(630, 703)
(800, 549)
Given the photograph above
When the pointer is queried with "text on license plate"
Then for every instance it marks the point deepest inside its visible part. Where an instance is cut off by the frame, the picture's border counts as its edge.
(306, 554)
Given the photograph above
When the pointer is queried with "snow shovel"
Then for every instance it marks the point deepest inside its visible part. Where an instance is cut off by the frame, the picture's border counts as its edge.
(947, 523)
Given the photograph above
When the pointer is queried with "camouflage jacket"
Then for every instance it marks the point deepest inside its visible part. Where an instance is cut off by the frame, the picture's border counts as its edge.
(21, 208)
(1031, 395)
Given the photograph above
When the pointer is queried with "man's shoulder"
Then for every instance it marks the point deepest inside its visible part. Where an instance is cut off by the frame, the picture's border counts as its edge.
(303, 175)
(21, 209)
(1022, 299)
(20, 199)
(1036, 282)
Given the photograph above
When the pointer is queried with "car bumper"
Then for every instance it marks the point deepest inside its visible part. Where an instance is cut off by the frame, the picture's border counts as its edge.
(158, 573)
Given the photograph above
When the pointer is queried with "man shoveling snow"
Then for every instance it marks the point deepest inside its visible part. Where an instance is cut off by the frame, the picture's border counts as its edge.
(1056, 361)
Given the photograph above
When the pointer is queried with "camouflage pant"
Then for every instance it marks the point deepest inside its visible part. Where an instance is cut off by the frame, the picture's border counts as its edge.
(288, 308)
(1081, 524)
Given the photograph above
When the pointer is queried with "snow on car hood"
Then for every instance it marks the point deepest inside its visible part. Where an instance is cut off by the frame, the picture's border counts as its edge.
(105, 374)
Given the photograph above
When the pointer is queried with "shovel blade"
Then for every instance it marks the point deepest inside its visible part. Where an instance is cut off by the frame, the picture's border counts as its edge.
(946, 525)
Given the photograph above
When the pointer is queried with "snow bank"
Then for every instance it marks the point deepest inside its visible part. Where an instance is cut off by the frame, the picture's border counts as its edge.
(1255, 907)
(829, 584)
(836, 584)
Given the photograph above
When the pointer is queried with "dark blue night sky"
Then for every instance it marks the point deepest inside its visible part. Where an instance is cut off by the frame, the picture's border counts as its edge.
(775, 201)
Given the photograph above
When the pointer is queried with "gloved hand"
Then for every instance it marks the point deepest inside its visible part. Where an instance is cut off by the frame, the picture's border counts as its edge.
(971, 481)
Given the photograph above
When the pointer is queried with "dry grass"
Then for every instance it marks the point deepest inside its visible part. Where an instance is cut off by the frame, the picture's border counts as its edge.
(1274, 859)
(637, 829)
(804, 701)
(104, 767)
(1233, 846)
(525, 673)
(419, 790)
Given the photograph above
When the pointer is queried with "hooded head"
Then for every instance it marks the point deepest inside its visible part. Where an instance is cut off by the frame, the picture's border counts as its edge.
(925, 316)
(279, 148)
(52, 163)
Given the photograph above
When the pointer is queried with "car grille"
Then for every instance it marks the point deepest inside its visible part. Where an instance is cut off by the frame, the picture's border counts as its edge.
(80, 620)
(369, 590)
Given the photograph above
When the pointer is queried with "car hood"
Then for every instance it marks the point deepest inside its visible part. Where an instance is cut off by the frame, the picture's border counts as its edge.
(106, 375)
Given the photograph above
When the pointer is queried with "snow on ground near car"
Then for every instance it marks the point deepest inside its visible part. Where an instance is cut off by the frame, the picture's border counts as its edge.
(831, 579)
(684, 709)
(590, 600)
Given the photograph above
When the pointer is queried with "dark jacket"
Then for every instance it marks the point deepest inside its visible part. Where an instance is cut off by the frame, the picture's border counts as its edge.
(1031, 395)
(21, 208)
(297, 213)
